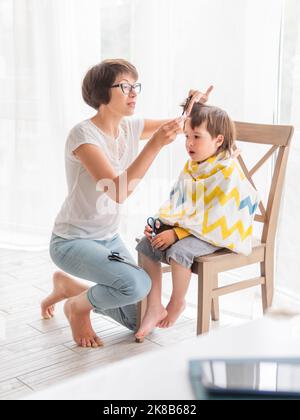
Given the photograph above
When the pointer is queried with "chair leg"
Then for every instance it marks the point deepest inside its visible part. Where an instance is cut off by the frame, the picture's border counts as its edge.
(267, 271)
(215, 309)
(141, 306)
(205, 286)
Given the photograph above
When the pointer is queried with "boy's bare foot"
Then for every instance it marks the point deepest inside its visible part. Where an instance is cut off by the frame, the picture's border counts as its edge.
(82, 330)
(154, 315)
(64, 287)
(174, 310)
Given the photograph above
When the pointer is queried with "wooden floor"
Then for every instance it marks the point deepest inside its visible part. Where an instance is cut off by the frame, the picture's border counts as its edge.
(35, 354)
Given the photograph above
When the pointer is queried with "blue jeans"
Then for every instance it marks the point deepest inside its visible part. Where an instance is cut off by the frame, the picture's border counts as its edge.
(119, 286)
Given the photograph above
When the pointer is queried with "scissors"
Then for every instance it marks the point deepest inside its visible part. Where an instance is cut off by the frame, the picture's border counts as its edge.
(153, 223)
(115, 256)
(186, 105)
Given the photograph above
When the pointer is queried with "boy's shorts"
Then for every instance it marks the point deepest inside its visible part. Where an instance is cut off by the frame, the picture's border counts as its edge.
(183, 251)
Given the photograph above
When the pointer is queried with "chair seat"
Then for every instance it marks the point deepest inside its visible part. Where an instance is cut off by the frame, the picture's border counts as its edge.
(225, 256)
(224, 253)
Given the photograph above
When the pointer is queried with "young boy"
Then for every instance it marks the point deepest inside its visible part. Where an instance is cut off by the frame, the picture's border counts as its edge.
(211, 206)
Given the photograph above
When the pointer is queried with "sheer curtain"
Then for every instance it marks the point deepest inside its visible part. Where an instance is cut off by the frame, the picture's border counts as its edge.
(46, 46)
(288, 269)
(178, 45)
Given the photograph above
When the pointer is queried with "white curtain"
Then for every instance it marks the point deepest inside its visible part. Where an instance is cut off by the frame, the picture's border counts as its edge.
(44, 48)
(288, 267)
(178, 45)
(47, 45)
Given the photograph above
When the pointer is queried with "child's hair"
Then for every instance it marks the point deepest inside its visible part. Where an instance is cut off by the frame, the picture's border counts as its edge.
(99, 79)
(217, 123)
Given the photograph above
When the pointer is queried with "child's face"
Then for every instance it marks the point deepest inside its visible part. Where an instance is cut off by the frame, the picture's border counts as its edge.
(199, 143)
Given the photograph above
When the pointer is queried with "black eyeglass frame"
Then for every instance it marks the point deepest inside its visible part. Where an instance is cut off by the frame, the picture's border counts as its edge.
(132, 87)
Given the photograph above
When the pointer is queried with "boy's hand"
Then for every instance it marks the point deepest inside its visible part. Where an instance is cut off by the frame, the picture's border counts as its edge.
(163, 240)
(148, 232)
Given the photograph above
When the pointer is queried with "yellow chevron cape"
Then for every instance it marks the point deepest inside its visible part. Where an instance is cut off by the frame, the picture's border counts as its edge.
(215, 202)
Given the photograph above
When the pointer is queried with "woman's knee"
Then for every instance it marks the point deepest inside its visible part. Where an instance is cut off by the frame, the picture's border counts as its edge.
(139, 286)
(54, 255)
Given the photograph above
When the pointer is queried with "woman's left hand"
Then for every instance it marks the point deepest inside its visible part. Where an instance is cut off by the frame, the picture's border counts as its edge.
(198, 96)
(163, 240)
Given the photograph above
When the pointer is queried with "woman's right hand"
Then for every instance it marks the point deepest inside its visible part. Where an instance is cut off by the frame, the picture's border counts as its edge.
(148, 232)
(168, 132)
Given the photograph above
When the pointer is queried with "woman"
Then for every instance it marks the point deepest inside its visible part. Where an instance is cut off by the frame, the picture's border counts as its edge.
(102, 167)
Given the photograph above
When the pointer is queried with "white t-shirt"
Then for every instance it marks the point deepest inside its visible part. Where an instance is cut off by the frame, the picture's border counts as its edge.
(87, 213)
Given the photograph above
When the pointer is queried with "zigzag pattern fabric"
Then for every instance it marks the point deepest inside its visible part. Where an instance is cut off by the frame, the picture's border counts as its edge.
(215, 202)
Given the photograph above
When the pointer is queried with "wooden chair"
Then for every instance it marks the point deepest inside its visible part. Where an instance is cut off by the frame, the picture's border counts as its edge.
(208, 267)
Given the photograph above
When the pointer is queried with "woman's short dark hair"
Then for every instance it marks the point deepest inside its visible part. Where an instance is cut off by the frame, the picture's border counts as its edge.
(100, 78)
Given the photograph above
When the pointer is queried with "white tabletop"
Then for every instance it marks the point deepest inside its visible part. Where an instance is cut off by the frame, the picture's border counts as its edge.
(163, 374)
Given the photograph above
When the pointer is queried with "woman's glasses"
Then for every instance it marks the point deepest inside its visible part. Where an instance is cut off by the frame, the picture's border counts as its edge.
(127, 88)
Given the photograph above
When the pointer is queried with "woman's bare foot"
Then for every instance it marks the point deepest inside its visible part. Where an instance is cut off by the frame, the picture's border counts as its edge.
(64, 287)
(174, 310)
(154, 315)
(82, 330)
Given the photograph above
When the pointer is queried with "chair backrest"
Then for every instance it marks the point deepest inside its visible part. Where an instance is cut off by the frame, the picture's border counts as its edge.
(279, 138)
